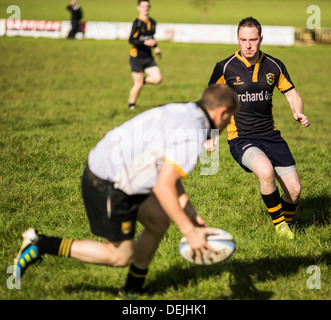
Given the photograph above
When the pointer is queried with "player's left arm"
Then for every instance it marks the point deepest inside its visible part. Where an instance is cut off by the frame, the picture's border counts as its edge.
(158, 51)
(296, 103)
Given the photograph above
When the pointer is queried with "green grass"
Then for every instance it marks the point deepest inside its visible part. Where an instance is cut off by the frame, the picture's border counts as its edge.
(281, 12)
(59, 97)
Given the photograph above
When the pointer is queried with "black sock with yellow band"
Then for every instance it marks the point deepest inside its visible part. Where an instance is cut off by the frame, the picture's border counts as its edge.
(274, 205)
(54, 246)
(135, 280)
(289, 210)
(65, 246)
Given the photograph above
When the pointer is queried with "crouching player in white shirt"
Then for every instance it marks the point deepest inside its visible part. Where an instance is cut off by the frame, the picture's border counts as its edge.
(134, 173)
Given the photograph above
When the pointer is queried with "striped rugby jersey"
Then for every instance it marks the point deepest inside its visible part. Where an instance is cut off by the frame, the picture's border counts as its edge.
(254, 86)
(141, 30)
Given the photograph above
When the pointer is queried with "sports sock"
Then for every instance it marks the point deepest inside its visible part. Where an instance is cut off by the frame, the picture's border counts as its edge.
(54, 246)
(135, 279)
(274, 205)
(289, 210)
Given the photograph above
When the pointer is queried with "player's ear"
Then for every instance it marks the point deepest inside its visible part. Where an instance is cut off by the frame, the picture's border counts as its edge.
(222, 111)
(225, 116)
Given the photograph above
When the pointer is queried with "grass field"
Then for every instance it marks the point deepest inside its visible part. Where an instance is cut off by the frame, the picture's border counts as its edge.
(59, 97)
(281, 12)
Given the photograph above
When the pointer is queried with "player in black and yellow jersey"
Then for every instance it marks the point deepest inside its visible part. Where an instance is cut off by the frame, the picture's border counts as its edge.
(141, 58)
(252, 136)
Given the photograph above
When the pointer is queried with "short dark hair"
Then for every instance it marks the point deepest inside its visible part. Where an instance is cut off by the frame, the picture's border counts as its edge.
(142, 1)
(218, 95)
(250, 22)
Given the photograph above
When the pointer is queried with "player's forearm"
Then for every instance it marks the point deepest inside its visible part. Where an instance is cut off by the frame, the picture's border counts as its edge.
(185, 203)
(296, 104)
(168, 198)
(135, 41)
(295, 101)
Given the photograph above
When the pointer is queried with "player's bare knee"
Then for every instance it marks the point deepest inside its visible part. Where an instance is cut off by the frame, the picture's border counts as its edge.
(119, 256)
(123, 262)
(122, 259)
(295, 193)
(267, 176)
(154, 78)
(158, 80)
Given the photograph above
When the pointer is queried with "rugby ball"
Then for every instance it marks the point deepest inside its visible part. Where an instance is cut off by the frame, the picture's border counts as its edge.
(220, 240)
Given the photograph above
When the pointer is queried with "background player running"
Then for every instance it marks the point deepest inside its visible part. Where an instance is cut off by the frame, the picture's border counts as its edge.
(252, 136)
(133, 173)
(141, 58)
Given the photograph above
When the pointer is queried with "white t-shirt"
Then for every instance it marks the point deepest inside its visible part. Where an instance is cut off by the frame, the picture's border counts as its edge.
(132, 154)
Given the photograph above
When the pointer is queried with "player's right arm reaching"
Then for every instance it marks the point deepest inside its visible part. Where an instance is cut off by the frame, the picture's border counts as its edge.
(166, 192)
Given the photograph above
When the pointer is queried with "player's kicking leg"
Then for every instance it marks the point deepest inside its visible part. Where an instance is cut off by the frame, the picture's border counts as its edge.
(116, 254)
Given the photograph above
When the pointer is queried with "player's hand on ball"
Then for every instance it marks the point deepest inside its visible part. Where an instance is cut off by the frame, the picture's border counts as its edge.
(222, 242)
(197, 240)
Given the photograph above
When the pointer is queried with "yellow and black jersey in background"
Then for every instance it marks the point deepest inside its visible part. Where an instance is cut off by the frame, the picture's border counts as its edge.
(254, 86)
(141, 30)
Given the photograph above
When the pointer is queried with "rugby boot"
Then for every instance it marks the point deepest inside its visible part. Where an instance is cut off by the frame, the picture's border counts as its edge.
(283, 230)
(28, 253)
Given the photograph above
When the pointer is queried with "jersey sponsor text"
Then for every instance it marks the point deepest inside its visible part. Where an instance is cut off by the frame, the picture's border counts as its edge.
(258, 96)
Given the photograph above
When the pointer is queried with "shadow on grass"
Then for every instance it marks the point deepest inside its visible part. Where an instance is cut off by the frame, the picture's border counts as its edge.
(242, 274)
(313, 211)
(89, 287)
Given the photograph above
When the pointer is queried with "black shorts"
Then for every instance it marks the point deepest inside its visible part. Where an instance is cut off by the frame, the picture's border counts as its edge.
(112, 214)
(272, 144)
(140, 64)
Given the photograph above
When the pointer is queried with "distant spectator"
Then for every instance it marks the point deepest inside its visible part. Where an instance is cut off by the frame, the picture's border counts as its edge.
(76, 17)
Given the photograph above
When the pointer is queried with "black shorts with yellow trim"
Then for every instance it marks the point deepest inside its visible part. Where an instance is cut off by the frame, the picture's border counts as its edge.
(112, 214)
(272, 144)
(140, 64)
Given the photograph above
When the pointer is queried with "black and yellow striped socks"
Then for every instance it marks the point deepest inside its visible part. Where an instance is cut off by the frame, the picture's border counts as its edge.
(55, 246)
(288, 210)
(135, 279)
(274, 205)
(64, 249)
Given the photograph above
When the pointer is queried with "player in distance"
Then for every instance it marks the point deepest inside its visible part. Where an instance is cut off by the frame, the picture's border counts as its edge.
(141, 57)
